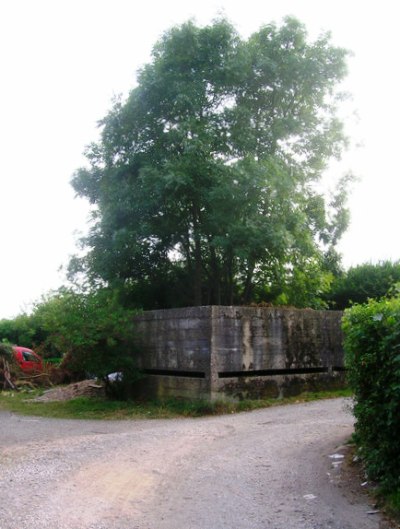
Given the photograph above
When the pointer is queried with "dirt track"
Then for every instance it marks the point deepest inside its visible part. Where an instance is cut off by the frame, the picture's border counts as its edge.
(268, 469)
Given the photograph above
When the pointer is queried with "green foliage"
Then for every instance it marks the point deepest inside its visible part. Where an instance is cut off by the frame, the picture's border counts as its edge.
(8, 365)
(5, 351)
(91, 331)
(393, 504)
(22, 330)
(363, 282)
(304, 286)
(204, 179)
(91, 408)
(84, 333)
(372, 350)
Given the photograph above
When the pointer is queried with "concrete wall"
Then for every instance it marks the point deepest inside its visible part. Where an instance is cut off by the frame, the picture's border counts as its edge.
(238, 352)
(175, 351)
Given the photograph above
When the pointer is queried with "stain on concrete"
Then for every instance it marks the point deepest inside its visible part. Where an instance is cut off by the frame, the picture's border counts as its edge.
(245, 341)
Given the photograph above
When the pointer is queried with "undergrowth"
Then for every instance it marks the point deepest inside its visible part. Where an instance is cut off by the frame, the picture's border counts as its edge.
(392, 503)
(91, 408)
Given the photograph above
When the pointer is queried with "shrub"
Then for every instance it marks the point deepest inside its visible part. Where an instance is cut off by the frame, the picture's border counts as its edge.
(372, 353)
(92, 333)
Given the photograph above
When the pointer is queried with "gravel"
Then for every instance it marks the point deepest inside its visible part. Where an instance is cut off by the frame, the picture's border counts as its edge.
(277, 468)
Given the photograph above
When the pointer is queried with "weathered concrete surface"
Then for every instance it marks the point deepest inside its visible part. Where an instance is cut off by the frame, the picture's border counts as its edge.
(283, 351)
(236, 352)
(176, 339)
(247, 338)
(175, 351)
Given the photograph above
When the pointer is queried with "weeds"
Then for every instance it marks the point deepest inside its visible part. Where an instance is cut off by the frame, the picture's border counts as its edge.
(96, 408)
(392, 504)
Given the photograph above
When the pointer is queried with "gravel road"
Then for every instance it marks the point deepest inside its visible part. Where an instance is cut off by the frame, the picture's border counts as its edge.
(277, 468)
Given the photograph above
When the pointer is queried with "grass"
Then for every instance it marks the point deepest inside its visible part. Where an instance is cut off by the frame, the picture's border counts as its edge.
(392, 504)
(90, 408)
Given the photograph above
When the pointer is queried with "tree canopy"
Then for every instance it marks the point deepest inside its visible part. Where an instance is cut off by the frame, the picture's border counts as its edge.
(363, 282)
(203, 181)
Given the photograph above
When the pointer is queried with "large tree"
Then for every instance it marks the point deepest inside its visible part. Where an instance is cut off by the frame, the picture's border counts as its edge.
(204, 178)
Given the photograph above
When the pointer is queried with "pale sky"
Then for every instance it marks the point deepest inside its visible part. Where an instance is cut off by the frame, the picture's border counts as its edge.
(61, 63)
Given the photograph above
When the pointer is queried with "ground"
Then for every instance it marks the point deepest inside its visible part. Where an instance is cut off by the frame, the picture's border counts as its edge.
(276, 468)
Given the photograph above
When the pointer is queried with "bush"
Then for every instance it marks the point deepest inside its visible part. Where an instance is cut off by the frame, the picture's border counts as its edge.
(92, 333)
(372, 353)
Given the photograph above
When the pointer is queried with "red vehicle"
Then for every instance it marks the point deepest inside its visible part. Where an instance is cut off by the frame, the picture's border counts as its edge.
(28, 360)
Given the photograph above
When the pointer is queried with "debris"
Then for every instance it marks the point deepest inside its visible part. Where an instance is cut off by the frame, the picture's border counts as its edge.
(7, 376)
(309, 497)
(114, 377)
(373, 512)
(85, 388)
(337, 456)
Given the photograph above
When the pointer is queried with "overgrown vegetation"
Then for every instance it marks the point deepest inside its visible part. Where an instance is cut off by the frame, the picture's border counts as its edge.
(372, 349)
(6, 358)
(90, 333)
(89, 408)
(5, 352)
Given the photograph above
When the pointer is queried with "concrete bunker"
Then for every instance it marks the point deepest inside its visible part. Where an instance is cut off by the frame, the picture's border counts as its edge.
(217, 352)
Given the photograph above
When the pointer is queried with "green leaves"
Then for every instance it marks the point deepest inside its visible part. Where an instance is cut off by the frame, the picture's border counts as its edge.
(372, 341)
(205, 173)
(91, 331)
(5, 351)
(363, 282)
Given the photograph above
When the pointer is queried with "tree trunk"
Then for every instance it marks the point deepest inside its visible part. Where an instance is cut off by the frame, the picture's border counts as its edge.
(215, 278)
(198, 264)
(197, 271)
(248, 288)
(228, 278)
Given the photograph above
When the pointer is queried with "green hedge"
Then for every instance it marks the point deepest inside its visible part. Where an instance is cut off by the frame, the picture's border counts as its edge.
(372, 352)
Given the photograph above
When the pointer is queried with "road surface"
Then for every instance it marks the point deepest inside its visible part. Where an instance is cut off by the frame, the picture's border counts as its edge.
(276, 468)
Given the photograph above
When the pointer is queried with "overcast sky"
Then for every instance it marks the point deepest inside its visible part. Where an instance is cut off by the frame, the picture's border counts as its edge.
(62, 61)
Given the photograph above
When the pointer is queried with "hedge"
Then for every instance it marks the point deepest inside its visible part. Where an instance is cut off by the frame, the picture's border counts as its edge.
(372, 355)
